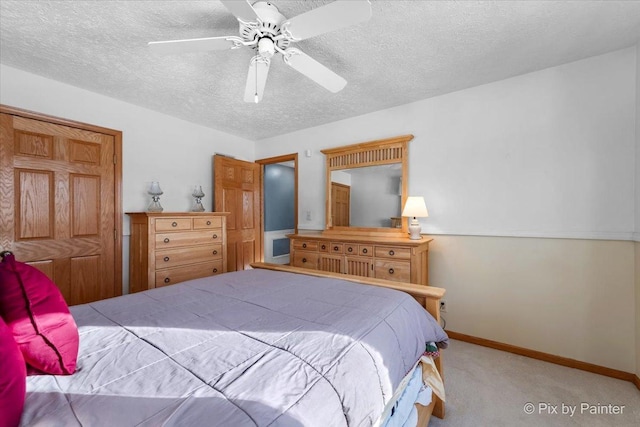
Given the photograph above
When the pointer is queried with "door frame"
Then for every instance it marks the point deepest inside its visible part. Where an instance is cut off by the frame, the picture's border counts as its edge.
(275, 160)
(117, 149)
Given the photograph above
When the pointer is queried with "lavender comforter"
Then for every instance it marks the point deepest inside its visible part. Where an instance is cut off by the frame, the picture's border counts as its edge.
(249, 348)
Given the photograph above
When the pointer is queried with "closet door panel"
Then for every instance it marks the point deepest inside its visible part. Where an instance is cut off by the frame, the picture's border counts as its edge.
(57, 204)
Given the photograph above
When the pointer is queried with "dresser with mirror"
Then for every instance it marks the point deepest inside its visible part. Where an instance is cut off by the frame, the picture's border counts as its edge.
(365, 235)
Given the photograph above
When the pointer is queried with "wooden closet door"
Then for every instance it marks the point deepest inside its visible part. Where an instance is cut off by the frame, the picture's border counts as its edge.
(237, 190)
(57, 196)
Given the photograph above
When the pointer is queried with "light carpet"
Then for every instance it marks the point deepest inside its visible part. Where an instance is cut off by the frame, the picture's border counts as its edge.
(487, 387)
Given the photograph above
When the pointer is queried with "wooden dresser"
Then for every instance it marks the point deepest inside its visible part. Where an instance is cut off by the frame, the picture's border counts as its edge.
(392, 258)
(168, 248)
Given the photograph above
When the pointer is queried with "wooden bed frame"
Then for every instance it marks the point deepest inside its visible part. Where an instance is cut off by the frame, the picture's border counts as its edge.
(428, 296)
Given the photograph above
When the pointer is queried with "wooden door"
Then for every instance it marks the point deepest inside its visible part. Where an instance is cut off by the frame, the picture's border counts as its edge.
(340, 204)
(237, 189)
(58, 205)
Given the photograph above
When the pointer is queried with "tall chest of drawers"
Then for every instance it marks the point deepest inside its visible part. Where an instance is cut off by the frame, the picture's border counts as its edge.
(391, 258)
(168, 248)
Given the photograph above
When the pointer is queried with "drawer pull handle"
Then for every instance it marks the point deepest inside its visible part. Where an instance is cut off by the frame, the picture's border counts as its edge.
(392, 253)
(350, 249)
(215, 236)
(304, 260)
(215, 270)
(174, 224)
(304, 245)
(335, 248)
(166, 240)
(215, 252)
(208, 222)
(391, 271)
(166, 259)
(167, 280)
(324, 246)
(364, 251)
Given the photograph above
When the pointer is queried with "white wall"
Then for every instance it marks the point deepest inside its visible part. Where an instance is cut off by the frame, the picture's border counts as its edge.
(155, 146)
(546, 154)
(535, 155)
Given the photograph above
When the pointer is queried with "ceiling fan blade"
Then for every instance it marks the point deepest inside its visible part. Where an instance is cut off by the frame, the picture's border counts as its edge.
(256, 79)
(241, 9)
(330, 17)
(196, 45)
(311, 68)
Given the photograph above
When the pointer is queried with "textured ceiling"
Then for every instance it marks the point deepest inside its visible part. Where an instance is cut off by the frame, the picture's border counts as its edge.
(409, 50)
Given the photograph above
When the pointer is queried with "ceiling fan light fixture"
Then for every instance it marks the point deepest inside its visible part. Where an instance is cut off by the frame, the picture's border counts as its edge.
(266, 47)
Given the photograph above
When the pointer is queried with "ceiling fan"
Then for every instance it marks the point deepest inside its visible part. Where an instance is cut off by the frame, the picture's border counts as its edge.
(264, 29)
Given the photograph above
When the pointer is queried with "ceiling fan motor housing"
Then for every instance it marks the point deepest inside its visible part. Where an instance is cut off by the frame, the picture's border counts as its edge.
(266, 30)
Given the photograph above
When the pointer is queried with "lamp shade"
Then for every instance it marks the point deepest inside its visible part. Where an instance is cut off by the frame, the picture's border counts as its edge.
(154, 189)
(415, 207)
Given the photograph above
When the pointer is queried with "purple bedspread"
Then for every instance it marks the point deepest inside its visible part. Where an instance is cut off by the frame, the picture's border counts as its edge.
(256, 347)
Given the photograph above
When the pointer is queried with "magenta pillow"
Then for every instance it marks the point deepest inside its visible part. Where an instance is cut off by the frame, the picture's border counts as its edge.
(37, 315)
(13, 378)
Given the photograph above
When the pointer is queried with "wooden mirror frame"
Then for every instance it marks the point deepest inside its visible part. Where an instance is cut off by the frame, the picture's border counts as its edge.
(372, 153)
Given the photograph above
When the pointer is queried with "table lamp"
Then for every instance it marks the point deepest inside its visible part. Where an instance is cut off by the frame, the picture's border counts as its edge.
(415, 208)
(155, 192)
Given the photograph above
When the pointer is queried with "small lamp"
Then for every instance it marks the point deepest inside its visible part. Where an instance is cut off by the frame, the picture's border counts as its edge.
(415, 207)
(197, 194)
(155, 192)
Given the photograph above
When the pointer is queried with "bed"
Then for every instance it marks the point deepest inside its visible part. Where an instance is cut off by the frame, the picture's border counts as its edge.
(268, 346)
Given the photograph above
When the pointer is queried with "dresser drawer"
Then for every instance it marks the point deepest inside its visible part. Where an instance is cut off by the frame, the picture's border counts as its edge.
(393, 270)
(393, 252)
(366, 250)
(307, 245)
(351, 248)
(173, 240)
(173, 224)
(323, 246)
(207, 222)
(360, 250)
(175, 257)
(336, 248)
(305, 259)
(171, 276)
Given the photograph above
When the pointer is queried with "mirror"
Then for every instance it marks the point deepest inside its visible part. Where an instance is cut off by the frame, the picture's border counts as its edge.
(366, 186)
(369, 196)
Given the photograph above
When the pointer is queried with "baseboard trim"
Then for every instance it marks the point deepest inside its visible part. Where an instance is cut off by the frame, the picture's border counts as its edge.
(546, 357)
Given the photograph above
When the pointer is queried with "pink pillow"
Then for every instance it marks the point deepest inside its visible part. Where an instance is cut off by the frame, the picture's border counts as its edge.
(37, 315)
(13, 377)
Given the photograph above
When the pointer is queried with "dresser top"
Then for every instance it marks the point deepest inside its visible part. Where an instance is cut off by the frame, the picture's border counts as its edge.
(360, 238)
(174, 214)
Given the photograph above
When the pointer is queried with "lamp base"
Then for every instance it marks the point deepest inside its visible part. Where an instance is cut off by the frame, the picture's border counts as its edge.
(197, 206)
(155, 206)
(414, 230)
